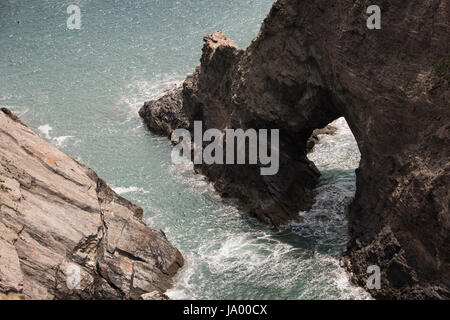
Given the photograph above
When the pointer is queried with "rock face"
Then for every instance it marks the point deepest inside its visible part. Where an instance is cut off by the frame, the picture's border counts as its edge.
(64, 234)
(312, 62)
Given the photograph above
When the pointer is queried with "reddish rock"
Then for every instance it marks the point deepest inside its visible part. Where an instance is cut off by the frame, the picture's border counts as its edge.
(60, 223)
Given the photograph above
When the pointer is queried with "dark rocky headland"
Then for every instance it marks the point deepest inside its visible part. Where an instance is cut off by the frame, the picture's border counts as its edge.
(313, 62)
(59, 222)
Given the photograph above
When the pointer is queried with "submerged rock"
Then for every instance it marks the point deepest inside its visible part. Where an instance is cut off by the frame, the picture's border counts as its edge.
(316, 61)
(64, 234)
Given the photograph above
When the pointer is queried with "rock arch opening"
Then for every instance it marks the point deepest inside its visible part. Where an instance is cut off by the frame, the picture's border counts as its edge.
(335, 153)
(334, 147)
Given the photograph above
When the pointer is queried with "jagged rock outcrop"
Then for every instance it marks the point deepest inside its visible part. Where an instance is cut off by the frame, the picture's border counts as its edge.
(312, 62)
(59, 222)
(315, 137)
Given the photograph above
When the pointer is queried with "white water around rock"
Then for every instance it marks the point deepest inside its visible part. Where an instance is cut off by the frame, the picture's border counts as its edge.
(81, 90)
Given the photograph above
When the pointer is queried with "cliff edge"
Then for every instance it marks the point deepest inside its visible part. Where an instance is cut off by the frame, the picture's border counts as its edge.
(64, 234)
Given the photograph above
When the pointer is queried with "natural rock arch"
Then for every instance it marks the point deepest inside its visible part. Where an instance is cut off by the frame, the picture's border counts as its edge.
(311, 63)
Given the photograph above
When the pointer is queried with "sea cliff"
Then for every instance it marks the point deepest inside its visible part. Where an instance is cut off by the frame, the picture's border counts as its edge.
(65, 234)
(312, 62)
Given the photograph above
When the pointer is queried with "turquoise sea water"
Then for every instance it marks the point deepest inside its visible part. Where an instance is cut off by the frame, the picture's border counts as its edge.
(81, 89)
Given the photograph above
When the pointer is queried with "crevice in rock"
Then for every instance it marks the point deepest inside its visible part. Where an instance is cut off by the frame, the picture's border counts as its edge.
(129, 255)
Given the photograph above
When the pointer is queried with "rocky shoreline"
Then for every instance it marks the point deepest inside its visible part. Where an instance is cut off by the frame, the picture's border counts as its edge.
(65, 234)
(312, 63)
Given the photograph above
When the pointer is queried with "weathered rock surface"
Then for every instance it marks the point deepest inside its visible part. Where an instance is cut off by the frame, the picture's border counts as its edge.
(312, 62)
(60, 222)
